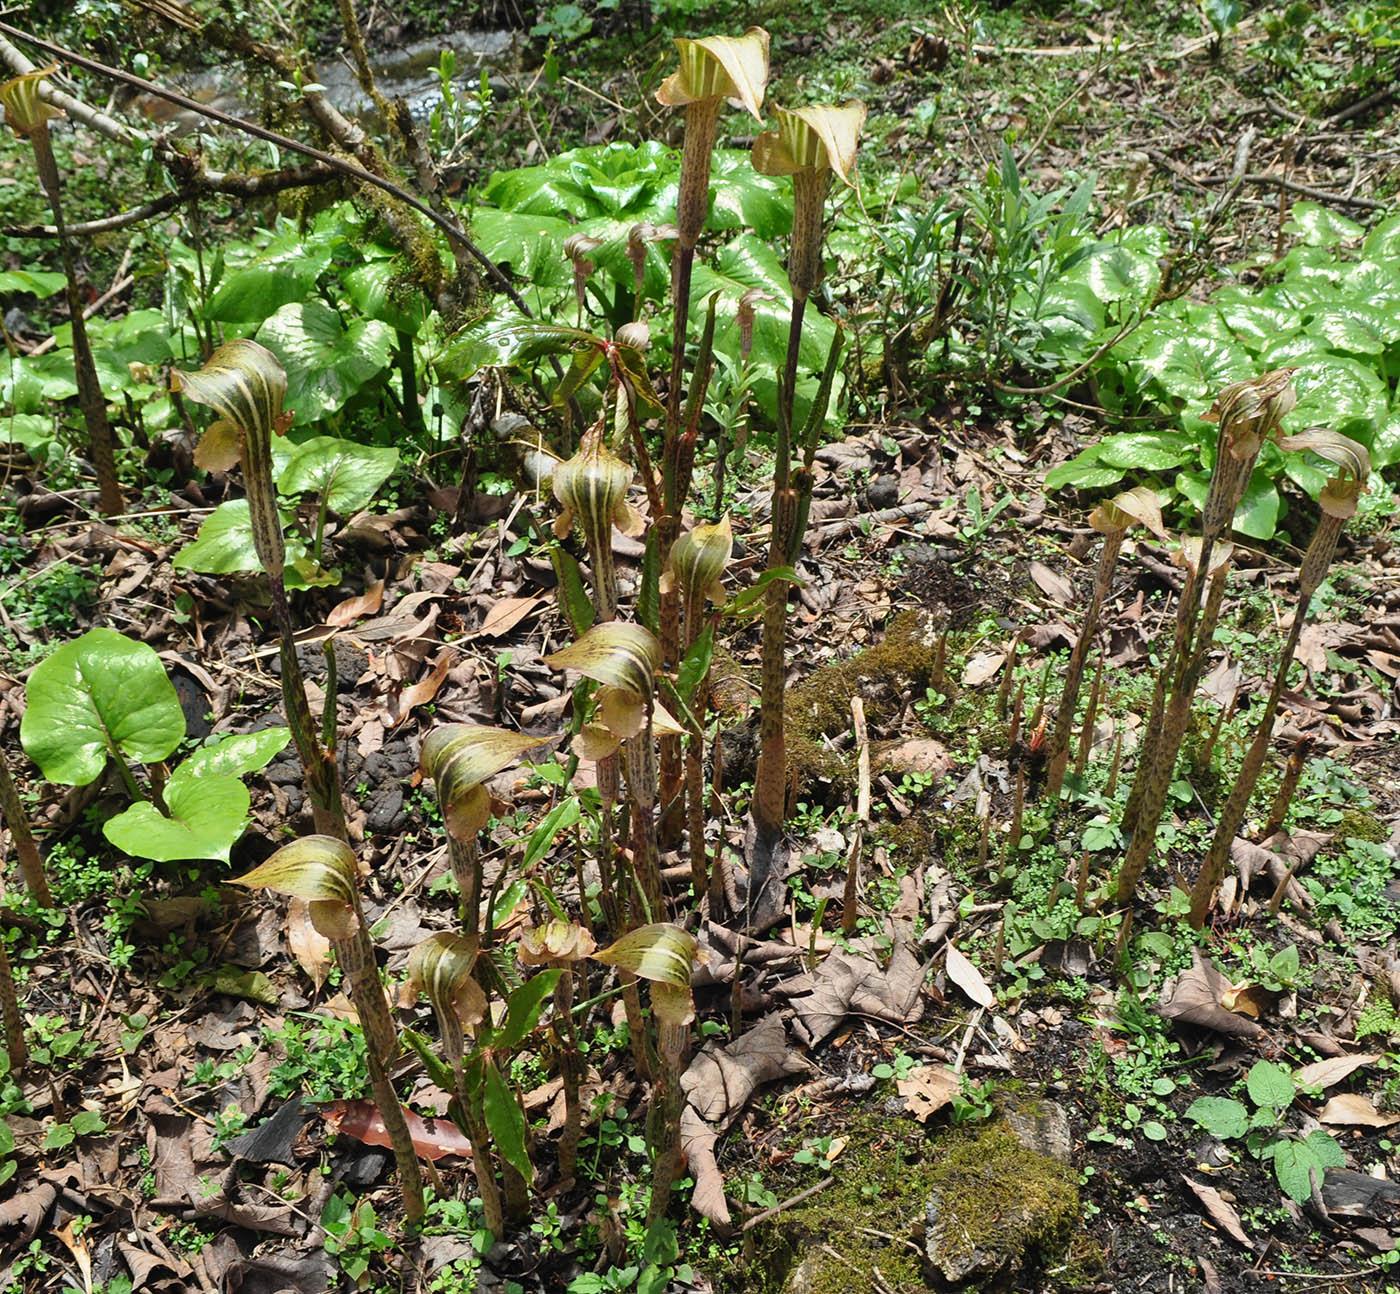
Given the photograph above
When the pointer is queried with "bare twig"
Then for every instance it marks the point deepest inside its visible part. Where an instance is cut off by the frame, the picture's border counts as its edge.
(787, 1204)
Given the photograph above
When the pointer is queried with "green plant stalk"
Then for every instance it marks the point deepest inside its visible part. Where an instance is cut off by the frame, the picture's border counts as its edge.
(10, 1013)
(355, 956)
(31, 865)
(640, 768)
(1074, 671)
(571, 1068)
(1315, 563)
(1174, 724)
(90, 397)
(319, 766)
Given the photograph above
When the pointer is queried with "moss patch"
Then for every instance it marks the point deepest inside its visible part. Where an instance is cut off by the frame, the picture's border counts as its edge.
(873, 1215)
(821, 706)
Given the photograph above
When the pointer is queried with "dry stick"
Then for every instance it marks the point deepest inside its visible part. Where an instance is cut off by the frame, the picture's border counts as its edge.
(862, 735)
(230, 183)
(759, 1218)
(13, 815)
(351, 170)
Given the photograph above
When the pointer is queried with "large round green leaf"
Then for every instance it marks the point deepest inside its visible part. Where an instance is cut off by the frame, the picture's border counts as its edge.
(1192, 368)
(1149, 451)
(1356, 327)
(379, 292)
(206, 818)
(326, 362)
(1333, 390)
(345, 474)
(98, 696)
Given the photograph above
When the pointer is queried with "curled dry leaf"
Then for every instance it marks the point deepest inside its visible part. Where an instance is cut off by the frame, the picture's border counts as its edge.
(1052, 583)
(308, 945)
(719, 1082)
(432, 1138)
(698, 1146)
(1195, 999)
(363, 604)
(982, 667)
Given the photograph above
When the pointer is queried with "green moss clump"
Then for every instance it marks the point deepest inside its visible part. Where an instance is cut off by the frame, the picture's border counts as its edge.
(1361, 825)
(877, 1202)
(990, 1185)
(821, 706)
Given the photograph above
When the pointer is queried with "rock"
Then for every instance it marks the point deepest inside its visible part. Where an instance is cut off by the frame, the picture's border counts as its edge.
(882, 492)
(999, 1203)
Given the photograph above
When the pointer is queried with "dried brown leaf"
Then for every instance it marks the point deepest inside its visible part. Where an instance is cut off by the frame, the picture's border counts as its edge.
(926, 1089)
(308, 945)
(968, 978)
(1195, 999)
(719, 1082)
(1052, 583)
(1327, 1073)
(505, 614)
(432, 1138)
(698, 1146)
(1352, 1110)
(363, 604)
(423, 691)
(1220, 1210)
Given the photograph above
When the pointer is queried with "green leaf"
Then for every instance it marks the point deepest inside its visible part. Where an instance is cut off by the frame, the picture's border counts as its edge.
(99, 695)
(505, 1119)
(696, 663)
(441, 1075)
(1084, 471)
(505, 340)
(1223, 1118)
(326, 362)
(1355, 327)
(345, 473)
(233, 756)
(1385, 444)
(224, 546)
(1293, 1161)
(207, 815)
(41, 283)
(1383, 242)
(1270, 1085)
(1149, 451)
(523, 1009)
(1319, 227)
(659, 1246)
(748, 600)
(59, 1136)
(1192, 368)
(1117, 274)
(1257, 514)
(1333, 390)
(577, 604)
(560, 818)
(379, 290)
(285, 272)
(234, 981)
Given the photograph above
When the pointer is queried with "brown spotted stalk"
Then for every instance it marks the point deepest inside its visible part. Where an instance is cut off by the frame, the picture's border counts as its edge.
(1338, 503)
(322, 871)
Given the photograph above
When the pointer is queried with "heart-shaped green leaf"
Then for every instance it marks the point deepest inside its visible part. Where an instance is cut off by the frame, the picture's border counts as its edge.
(285, 271)
(344, 473)
(98, 696)
(207, 815)
(326, 362)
